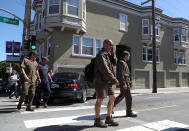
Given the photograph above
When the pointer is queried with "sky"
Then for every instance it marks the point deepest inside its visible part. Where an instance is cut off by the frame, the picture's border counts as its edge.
(8, 32)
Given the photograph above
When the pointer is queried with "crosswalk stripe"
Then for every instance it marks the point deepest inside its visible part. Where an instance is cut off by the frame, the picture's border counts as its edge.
(60, 109)
(136, 128)
(157, 126)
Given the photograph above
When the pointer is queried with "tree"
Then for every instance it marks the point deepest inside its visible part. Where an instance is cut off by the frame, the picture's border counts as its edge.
(3, 65)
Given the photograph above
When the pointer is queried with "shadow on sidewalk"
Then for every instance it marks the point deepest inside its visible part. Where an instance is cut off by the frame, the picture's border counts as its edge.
(63, 128)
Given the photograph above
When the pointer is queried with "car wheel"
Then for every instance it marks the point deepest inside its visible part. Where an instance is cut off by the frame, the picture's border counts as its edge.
(84, 96)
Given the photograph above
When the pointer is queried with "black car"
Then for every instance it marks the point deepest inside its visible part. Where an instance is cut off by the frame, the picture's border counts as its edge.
(2, 86)
(71, 85)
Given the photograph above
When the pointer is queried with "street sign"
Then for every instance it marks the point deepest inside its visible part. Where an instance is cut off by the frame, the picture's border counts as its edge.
(9, 20)
(13, 58)
(12, 47)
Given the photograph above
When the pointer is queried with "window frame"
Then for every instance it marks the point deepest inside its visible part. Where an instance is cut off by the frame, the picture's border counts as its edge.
(146, 54)
(183, 59)
(51, 5)
(48, 41)
(126, 23)
(157, 27)
(145, 26)
(176, 29)
(76, 16)
(182, 36)
(80, 48)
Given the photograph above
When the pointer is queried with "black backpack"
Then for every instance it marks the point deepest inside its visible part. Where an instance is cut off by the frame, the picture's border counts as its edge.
(89, 71)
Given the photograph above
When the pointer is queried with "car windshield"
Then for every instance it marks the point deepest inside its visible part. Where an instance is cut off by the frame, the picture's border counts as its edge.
(66, 76)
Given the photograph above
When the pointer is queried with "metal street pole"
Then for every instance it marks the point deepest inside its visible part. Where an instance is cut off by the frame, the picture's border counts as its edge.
(154, 90)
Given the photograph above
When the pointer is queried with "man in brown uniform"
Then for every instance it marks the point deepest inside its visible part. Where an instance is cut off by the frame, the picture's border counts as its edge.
(104, 79)
(123, 75)
(30, 74)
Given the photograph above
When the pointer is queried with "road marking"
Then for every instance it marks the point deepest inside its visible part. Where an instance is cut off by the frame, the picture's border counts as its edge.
(157, 108)
(152, 98)
(167, 125)
(60, 109)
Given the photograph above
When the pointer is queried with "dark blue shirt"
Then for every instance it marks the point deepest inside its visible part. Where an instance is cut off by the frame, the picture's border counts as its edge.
(43, 72)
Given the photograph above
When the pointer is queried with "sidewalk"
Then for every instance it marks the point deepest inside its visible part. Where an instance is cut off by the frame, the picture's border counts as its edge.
(159, 90)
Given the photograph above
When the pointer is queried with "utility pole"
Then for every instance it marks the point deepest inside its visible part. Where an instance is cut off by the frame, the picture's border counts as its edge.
(26, 27)
(153, 46)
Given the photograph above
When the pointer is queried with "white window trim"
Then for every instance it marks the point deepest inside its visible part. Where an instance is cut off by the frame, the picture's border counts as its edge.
(147, 61)
(84, 10)
(144, 26)
(178, 34)
(127, 24)
(80, 46)
(71, 14)
(48, 9)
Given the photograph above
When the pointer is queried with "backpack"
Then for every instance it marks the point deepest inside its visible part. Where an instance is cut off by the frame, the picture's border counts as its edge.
(89, 71)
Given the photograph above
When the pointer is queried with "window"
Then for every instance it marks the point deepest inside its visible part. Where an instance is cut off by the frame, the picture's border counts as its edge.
(48, 47)
(73, 7)
(145, 26)
(157, 27)
(123, 22)
(36, 23)
(53, 7)
(86, 46)
(184, 35)
(148, 55)
(43, 8)
(76, 44)
(176, 34)
(98, 45)
(39, 18)
(179, 58)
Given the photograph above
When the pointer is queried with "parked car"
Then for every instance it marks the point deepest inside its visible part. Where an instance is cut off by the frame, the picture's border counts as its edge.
(2, 86)
(71, 85)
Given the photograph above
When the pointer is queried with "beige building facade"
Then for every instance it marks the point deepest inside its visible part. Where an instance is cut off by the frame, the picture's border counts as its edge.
(71, 32)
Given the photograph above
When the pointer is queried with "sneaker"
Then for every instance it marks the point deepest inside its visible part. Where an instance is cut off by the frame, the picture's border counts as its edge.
(109, 120)
(99, 123)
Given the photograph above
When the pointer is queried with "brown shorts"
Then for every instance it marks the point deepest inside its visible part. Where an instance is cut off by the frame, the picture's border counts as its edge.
(103, 92)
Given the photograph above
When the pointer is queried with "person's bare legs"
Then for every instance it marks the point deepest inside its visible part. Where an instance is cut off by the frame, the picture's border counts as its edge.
(98, 107)
(110, 105)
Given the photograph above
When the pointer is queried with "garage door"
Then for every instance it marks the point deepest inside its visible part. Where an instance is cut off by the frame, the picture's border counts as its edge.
(160, 79)
(174, 79)
(185, 79)
(141, 79)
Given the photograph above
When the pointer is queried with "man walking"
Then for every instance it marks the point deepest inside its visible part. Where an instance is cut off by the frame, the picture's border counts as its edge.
(123, 75)
(45, 76)
(30, 75)
(104, 79)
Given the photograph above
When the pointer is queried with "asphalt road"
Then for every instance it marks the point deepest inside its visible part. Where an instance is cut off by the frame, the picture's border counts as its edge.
(156, 112)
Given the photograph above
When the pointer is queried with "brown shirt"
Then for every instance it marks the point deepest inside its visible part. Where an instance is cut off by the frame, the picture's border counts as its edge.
(123, 73)
(104, 73)
(30, 68)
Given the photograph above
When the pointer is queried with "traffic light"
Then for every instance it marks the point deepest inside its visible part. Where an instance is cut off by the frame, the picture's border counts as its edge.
(26, 45)
(33, 42)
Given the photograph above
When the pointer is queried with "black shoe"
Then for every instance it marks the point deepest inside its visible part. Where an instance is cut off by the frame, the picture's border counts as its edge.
(37, 106)
(29, 109)
(109, 120)
(131, 114)
(19, 106)
(99, 123)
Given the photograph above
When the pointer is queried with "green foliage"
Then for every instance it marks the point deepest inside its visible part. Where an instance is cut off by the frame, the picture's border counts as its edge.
(4, 64)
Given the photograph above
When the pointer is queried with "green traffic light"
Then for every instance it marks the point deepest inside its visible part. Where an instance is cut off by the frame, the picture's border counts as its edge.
(33, 47)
